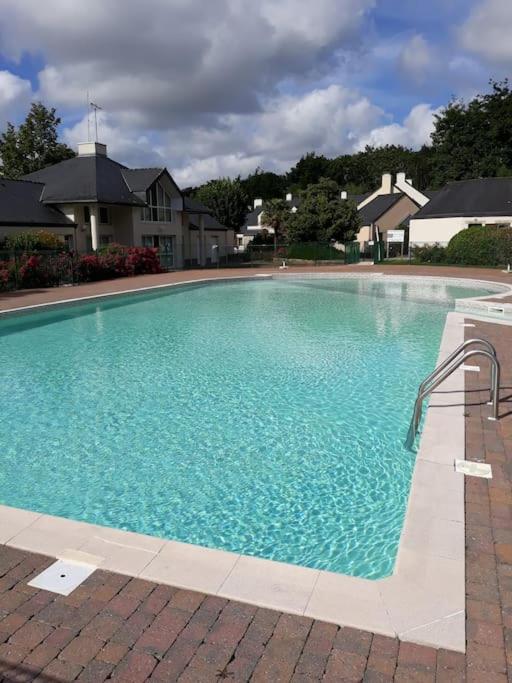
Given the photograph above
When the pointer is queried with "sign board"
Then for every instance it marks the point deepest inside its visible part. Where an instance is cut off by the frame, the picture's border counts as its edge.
(395, 235)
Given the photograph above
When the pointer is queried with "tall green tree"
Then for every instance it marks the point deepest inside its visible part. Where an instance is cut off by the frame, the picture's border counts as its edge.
(323, 216)
(307, 171)
(34, 144)
(264, 185)
(474, 139)
(226, 199)
(276, 215)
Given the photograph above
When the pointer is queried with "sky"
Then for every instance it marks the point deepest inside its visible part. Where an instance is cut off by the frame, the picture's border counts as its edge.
(211, 88)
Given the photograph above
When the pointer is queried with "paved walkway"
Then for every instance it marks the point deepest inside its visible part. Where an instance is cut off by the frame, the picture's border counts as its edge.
(31, 297)
(122, 629)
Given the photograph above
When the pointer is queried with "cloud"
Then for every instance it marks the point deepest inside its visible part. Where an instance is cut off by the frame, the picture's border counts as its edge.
(15, 94)
(331, 121)
(417, 60)
(413, 132)
(487, 31)
(165, 62)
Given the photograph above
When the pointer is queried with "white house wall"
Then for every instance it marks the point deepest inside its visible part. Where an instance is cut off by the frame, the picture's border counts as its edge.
(440, 230)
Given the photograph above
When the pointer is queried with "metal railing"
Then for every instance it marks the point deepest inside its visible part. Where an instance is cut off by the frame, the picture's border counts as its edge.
(444, 370)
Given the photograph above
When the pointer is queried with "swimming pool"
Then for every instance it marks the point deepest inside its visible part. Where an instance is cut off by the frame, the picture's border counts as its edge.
(262, 417)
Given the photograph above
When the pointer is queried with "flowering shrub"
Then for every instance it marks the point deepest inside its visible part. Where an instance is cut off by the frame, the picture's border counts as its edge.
(40, 269)
(117, 261)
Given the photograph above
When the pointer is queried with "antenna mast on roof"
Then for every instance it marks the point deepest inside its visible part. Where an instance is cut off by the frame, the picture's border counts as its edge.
(95, 108)
(88, 117)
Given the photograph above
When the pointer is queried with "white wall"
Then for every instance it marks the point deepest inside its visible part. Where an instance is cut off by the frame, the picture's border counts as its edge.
(431, 230)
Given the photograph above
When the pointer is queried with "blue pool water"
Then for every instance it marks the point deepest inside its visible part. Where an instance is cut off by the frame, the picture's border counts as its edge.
(261, 417)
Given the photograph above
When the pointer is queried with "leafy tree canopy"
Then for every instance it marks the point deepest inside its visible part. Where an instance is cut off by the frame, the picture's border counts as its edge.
(323, 216)
(33, 145)
(277, 215)
(264, 185)
(227, 200)
(474, 139)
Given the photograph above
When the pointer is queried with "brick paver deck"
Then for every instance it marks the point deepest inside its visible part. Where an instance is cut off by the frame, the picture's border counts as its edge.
(116, 628)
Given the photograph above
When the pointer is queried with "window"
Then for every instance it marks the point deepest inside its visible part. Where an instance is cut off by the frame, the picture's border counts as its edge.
(165, 246)
(87, 215)
(106, 239)
(159, 205)
(104, 215)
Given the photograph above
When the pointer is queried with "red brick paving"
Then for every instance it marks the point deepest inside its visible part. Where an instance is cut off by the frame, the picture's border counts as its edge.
(116, 628)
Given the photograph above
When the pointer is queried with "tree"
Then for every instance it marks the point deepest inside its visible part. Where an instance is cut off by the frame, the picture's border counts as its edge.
(323, 216)
(276, 214)
(34, 145)
(264, 185)
(474, 139)
(308, 170)
(226, 199)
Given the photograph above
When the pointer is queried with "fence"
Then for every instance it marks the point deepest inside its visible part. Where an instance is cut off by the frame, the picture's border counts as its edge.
(305, 252)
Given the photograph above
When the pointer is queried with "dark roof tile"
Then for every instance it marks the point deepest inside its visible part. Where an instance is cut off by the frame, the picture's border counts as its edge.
(20, 205)
(477, 197)
(372, 211)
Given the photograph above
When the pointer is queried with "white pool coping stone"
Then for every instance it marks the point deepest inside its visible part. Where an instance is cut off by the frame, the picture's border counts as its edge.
(422, 602)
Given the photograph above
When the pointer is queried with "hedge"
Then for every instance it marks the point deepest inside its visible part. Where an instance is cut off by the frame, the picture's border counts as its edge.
(481, 246)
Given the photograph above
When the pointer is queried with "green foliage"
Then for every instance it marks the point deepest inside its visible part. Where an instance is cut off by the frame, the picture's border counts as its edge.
(323, 216)
(227, 200)
(264, 185)
(307, 171)
(33, 145)
(276, 214)
(430, 253)
(36, 240)
(474, 139)
(481, 246)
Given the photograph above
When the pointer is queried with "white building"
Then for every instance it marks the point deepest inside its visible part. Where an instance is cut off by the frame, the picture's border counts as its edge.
(459, 205)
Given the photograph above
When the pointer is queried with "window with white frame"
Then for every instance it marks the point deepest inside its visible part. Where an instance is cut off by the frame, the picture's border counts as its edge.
(159, 205)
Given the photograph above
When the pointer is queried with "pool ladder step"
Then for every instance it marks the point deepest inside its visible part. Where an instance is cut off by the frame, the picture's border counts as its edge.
(445, 369)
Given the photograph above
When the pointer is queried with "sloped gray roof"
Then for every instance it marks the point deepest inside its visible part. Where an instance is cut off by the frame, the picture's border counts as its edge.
(94, 178)
(477, 197)
(210, 223)
(194, 206)
(20, 205)
(140, 179)
(372, 211)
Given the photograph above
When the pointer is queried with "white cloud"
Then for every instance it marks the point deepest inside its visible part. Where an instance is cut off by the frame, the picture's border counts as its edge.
(15, 94)
(165, 62)
(417, 60)
(487, 31)
(413, 132)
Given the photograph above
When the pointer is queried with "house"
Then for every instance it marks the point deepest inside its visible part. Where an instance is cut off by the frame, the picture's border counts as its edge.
(387, 209)
(92, 200)
(460, 205)
(383, 211)
(253, 224)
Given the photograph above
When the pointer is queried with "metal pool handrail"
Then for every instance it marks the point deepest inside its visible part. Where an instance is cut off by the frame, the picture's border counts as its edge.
(424, 391)
(469, 342)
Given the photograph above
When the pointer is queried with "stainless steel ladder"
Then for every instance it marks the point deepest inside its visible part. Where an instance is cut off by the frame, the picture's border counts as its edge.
(445, 369)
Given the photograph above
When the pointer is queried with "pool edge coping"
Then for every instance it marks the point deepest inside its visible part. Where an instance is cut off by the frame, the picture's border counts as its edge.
(430, 555)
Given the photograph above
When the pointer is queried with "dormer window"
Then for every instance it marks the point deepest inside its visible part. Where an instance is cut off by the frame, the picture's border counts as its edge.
(159, 205)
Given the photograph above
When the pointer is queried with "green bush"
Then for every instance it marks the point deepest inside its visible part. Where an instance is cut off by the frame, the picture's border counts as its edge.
(481, 246)
(37, 240)
(430, 253)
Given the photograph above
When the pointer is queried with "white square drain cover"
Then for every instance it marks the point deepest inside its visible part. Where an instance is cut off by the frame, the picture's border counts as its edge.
(473, 469)
(62, 577)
